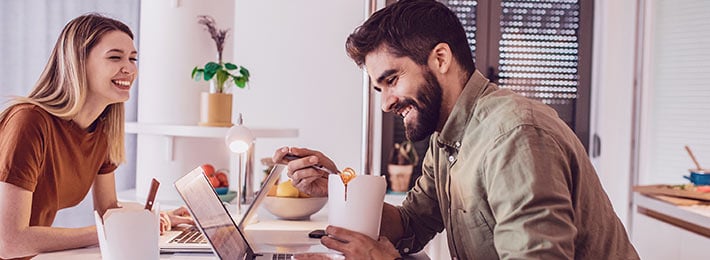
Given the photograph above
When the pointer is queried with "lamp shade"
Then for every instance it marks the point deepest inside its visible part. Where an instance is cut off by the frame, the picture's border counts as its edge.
(239, 138)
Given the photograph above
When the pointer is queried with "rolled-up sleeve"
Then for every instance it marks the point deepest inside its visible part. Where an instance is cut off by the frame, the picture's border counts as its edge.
(421, 216)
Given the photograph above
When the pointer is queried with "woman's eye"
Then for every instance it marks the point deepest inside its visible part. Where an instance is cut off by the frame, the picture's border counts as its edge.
(114, 58)
(133, 59)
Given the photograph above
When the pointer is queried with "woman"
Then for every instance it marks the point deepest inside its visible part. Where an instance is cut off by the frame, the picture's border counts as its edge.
(67, 137)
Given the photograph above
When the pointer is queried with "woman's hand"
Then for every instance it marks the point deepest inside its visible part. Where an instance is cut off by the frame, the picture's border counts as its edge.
(171, 218)
(305, 178)
(356, 245)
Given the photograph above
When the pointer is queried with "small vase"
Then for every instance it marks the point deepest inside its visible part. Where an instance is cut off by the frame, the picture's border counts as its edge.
(399, 176)
(215, 109)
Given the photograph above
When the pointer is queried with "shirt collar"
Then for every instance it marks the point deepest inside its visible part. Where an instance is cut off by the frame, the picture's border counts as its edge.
(455, 126)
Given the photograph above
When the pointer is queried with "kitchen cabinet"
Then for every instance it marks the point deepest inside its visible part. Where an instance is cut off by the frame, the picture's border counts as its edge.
(661, 230)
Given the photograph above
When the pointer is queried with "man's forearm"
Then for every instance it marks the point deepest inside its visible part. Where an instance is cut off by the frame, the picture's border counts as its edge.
(391, 225)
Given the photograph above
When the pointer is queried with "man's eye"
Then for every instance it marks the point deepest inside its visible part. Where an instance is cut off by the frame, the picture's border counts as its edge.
(115, 57)
(133, 59)
(378, 89)
(391, 81)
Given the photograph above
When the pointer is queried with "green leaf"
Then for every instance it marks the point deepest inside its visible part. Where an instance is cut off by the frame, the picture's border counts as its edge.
(245, 72)
(230, 66)
(209, 75)
(198, 75)
(240, 82)
(193, 72)
(212, 67)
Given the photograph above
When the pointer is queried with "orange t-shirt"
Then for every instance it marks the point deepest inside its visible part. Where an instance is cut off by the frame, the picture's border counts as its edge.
(51, 157)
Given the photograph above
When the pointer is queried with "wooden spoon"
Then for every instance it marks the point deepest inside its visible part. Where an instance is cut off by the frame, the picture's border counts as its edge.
(693, 157)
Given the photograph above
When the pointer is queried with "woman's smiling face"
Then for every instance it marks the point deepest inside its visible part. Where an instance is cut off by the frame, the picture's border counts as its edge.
(111, 68)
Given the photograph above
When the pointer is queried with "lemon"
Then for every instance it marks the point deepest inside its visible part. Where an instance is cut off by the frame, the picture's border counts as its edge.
(286, 189)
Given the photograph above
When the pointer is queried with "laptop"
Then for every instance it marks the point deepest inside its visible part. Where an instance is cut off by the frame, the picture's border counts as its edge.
(189, 238)
(224, 236)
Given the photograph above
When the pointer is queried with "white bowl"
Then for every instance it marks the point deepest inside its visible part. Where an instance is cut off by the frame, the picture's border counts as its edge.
(294, 208)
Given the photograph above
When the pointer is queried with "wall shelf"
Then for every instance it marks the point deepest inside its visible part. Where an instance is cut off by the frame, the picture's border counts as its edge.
(204, 131)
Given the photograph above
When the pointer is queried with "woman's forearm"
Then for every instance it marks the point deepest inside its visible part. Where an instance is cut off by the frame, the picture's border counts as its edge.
(36, 239)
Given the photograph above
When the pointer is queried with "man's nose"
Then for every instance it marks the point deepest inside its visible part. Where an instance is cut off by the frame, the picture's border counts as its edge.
(388, 101)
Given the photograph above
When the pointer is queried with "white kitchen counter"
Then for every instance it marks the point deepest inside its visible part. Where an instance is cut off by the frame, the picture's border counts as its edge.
(695, 218)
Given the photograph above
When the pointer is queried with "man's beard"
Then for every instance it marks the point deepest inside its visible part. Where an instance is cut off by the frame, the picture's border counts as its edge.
(428, 109)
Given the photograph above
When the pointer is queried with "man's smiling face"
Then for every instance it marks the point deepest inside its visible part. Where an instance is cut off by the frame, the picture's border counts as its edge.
(408, 89)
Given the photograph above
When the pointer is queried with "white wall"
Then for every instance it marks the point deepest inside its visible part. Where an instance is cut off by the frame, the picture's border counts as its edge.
(301, 75)
(172, 43)
(612, 89)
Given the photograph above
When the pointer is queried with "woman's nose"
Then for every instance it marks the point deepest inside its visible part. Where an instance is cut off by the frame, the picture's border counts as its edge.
(129, 69)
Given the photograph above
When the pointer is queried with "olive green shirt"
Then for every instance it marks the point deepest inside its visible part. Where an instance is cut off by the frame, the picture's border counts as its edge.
(508, 179)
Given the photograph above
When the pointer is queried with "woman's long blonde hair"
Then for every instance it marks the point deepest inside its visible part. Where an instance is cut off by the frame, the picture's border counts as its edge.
(62, 87)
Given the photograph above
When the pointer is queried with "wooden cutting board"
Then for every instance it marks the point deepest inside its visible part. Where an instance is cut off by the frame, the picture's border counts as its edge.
(678, 201)
(669, 190)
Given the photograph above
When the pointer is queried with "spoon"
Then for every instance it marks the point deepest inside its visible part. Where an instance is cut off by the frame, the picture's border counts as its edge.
(292, 157)
(693, 157)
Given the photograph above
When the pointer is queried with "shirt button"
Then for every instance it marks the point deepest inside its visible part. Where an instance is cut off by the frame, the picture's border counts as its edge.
(451, 158)
(457, 144)
(406, 250)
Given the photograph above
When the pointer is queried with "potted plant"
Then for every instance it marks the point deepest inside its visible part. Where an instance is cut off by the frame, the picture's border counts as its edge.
(216, 106)
(401, 164)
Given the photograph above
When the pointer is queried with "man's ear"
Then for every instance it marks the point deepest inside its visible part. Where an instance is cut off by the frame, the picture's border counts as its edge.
(441, 58)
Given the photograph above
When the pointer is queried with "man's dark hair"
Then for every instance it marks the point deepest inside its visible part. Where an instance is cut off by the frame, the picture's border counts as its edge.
(411, 28)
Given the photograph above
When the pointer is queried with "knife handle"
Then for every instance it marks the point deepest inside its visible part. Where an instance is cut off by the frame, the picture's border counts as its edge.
(154, 184)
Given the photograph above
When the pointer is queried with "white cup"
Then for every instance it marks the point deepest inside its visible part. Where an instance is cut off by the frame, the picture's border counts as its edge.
(361, 211)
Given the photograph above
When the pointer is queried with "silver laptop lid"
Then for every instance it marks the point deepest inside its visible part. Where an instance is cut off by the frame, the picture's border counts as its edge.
(211, 216)
(270, 180)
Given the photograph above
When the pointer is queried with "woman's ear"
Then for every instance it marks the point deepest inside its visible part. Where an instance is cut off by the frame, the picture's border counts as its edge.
(441, 58)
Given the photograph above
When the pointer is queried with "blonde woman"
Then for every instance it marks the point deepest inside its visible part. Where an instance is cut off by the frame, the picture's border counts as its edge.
(66, 137)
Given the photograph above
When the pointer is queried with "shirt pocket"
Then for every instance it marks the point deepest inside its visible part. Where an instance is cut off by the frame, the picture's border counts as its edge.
(473, 234)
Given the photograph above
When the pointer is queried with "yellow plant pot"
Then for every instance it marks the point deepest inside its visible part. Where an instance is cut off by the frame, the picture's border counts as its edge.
(399, 176)
(215, 109)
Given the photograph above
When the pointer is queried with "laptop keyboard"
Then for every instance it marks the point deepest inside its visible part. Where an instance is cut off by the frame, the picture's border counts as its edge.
(190, 235)
(282, 256)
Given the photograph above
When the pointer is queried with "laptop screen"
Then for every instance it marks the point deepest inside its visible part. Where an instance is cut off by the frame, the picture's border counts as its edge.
(211, 216)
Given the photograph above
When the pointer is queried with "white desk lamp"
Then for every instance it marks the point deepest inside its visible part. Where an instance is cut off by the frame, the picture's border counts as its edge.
(240, 141)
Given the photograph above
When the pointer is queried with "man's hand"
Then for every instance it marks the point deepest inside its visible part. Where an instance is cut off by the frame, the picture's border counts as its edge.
(169, 219)
(356, 245)
(306, 178)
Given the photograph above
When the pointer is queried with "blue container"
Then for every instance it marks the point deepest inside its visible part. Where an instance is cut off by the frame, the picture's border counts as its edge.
(221, 190)
(698, 177)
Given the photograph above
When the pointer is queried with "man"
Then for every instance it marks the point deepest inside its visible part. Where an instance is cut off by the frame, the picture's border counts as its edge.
(503, 174)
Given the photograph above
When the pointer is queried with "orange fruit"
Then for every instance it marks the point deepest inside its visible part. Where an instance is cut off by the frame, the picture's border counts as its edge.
(223, 180)
(208, 169)
(213, 181)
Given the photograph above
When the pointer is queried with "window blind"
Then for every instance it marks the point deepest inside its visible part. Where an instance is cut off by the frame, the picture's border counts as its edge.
(465, 10)
(679, 95)
(539, 52)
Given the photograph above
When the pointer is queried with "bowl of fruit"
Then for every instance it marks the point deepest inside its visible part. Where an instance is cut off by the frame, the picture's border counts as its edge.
(285, 202)
(220, 182)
